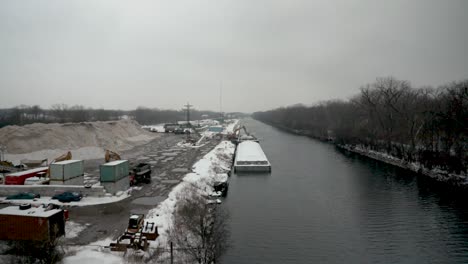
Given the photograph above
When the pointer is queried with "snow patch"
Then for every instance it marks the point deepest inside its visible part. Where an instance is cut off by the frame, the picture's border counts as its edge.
(72, 229)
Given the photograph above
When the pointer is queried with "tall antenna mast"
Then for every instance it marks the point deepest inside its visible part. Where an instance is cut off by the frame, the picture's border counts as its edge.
(221, 99)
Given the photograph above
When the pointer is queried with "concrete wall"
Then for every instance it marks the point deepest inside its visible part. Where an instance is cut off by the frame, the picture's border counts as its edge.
(51, 190)
(114, 187)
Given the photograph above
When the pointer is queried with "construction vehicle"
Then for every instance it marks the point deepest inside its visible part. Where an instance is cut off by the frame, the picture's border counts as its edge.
(235, 136)
(140, 173)
(136, 235)
(63, 157)
(66, 156)
(135, 223)
(6, 166)
(111, 155)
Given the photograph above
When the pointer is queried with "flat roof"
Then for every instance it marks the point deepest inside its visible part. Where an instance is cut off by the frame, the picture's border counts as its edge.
(33, 211)
(66, 162)
(20, 173)
(115, 162)
(250, 151)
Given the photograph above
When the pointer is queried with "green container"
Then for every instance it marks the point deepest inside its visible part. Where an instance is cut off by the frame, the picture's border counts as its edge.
(114, 170)
(67, 169)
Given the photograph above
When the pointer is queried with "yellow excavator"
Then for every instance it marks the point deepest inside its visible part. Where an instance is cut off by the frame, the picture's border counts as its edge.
(111, 155)
(66, 156)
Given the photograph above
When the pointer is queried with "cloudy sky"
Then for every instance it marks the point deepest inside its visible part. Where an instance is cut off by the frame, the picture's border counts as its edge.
(264, 54)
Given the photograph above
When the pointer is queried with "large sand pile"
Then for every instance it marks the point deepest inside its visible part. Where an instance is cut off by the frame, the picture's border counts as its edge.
(86, 140)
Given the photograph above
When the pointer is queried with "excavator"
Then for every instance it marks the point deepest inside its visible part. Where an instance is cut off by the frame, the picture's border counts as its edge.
(66, 156)
(111, 155)
(235, 135)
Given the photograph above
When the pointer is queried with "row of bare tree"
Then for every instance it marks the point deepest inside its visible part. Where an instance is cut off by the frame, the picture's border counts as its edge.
(62, 113)
(425, 124)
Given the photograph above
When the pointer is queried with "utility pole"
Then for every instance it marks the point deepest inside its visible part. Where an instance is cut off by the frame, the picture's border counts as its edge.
(221, 99)
(187, 109)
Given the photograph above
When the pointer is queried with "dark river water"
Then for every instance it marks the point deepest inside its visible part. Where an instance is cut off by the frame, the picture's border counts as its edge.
(320, 205)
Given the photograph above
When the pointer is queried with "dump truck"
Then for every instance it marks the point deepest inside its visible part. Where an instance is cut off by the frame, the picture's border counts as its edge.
(140, 173)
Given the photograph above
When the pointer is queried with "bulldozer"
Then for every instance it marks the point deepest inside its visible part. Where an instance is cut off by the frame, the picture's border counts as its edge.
(111, 155)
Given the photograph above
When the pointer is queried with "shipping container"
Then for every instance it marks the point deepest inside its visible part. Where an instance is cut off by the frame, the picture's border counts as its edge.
(32, 224)
(73, 181)
(18, 178)
(64, 170)
(114, 170)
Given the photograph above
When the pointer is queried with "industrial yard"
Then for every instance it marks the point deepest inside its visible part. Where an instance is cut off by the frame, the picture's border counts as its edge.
(106, 198)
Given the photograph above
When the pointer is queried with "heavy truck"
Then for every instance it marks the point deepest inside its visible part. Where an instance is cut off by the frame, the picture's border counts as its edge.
(140, 173)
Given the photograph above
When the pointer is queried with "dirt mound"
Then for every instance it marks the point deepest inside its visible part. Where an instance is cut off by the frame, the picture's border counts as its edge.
(116, 135)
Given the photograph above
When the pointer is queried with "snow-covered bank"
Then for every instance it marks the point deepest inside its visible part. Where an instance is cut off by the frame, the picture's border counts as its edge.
(435, 173)
(202, 178)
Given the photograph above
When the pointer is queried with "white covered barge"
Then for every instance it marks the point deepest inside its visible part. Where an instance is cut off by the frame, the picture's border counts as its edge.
(251, 158)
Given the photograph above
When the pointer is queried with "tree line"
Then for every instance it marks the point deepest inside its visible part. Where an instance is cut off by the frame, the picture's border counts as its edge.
(57, 113)
(62, 113)
(424, 124)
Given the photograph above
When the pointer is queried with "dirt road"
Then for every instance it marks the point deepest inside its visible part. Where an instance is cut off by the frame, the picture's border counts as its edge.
(169, 163)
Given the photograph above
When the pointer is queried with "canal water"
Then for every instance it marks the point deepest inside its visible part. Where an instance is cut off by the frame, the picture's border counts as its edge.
(320, 205)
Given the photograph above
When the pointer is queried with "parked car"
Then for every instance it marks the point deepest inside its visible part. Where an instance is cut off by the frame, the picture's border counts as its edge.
(23, 196)
(67, 197)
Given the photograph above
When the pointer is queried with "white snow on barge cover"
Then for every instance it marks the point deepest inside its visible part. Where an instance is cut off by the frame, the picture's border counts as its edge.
(250, 157)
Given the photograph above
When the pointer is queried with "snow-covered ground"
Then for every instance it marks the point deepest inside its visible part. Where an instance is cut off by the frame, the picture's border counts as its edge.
(155, 128)
(73, 229)
(85, 201)
(94, 253)
(201, 179)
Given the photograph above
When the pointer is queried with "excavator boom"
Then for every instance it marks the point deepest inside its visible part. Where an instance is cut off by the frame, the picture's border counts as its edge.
(66, 156)
(111, 155)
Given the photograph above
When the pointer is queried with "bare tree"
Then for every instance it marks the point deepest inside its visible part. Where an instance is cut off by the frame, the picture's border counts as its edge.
(200, 229)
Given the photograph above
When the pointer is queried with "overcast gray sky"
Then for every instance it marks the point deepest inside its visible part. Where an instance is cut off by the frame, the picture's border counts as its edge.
(266, 54)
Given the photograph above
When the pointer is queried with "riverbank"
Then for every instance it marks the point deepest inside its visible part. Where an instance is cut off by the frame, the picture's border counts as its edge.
(459, 180)
(436, 173)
